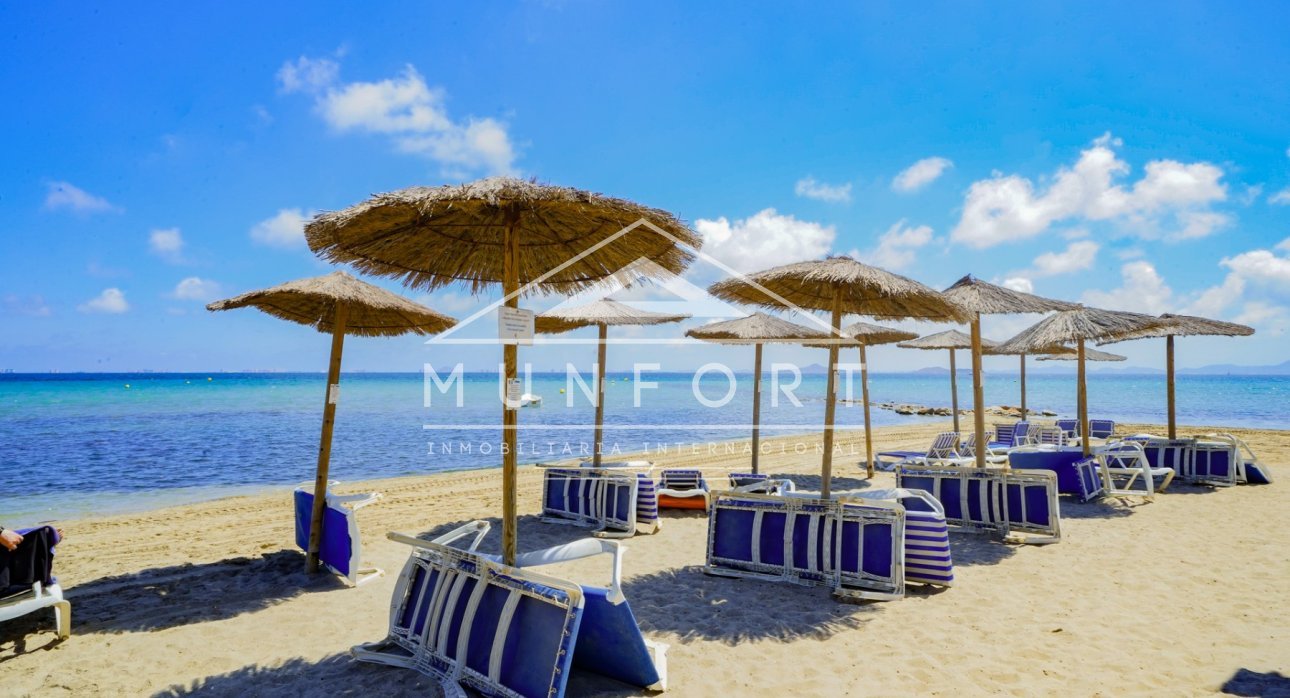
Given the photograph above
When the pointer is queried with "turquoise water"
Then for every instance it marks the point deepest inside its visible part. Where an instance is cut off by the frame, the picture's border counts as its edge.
(74, 444)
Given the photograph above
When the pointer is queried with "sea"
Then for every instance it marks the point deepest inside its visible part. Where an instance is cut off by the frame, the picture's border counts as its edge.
(73, 445)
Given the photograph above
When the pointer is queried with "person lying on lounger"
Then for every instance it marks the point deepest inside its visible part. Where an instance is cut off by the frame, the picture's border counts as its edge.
(27, 557)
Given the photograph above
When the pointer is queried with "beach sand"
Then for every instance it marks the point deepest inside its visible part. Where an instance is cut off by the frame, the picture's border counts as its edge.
(1173, 597)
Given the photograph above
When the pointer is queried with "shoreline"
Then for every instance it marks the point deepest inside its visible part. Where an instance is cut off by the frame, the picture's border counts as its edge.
(147, 501)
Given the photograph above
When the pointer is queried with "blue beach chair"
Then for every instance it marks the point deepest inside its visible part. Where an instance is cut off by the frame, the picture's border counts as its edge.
(470, 621)
(617, 503)
(1126, 471)
(340, 550)
(927, 535)
(19, 600)
(988, 500)
(944, 449)
(682, 488)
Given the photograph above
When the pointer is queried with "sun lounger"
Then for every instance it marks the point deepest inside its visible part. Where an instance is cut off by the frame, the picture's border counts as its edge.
(853, 546)
(1021, 434)
(1069, 427)
(995, 453)
(944, 449)
(927, 535)
(1175, 454)
(341, 549)
(1126, 471)
(1047, 435)
(1249, 469)
(757, 483)
(682, 489)
(19, 600)
(1003, 434)
(472, 622)
(616, 503)
(1215, 461)
(1005, 502)
(1100, 428)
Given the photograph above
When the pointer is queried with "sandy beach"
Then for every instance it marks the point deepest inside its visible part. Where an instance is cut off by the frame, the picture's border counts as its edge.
(1176, 597)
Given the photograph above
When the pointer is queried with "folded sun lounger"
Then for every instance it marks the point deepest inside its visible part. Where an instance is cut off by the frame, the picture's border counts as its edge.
(1126, 471)
(617, 503)
(19, 600)
(470, 621)
(757, 483)
(927, 535)
(853, 546)
(1006, 502)
(340, 550)
(944, 449)
(682, 489)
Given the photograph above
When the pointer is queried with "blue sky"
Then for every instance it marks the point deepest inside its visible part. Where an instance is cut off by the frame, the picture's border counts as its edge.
(1131, 156)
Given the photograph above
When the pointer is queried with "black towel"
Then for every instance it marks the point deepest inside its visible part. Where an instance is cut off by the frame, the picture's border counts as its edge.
(31, 562)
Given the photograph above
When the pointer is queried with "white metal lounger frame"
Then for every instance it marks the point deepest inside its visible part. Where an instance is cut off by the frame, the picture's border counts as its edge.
(1124, 464)
(37, 598)
(431, 655)
(1203, 449)
(824, 519)
(991, 501)
(1245, 459)
(359, 575)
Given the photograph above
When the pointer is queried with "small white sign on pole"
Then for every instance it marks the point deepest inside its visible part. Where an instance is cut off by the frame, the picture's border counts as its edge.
(515, 325)
(333, 394)
(514, 393)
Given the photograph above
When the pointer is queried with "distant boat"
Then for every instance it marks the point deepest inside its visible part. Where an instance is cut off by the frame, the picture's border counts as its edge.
(530, 400)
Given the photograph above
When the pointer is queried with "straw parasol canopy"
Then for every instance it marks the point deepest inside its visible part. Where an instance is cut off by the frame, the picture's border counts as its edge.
(862, 335)
(435, 236)
(984, 298)
(838, 285)
(1055, 334)
(1181, 326)
(756, 329)
(951, 340)
(373, 311)
(337, 304)
(861, 290)
(1089, 355)
(528, 237)
(601, 314)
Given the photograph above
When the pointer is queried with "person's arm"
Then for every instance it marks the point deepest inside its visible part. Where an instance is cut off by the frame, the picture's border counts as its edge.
(9, 539)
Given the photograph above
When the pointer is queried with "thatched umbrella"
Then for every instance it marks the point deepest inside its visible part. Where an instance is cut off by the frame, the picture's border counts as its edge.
(951, 340)
(756, 329)
(839, 285)
(529, 237)
(338, 304)
(601, 314)
(1054, 334)
(984, 298)
(1089, 355)
(863, 334)
(1185, 326)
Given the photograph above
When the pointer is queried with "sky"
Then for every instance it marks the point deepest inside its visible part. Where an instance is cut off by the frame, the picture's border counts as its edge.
(157, 157)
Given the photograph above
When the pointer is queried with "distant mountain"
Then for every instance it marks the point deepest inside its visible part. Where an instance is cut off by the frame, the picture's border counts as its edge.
(1281, 369)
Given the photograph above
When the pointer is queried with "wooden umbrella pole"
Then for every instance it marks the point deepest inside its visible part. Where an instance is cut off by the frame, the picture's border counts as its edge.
(954, 391)
(978, 392)
(339, 318)
(1169, 387)
(1082, 397)
(756, 411)
(868, 432)
(1023, 387)
(597, 447)
(510, 415)
(830, 400)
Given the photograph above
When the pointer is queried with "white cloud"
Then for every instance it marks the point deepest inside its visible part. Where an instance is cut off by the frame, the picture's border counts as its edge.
(31, 306)
(1260, 313)
(284, 230)
(64, 195)
(1213, 301)
(920, 174)
(196, 289)
(110, 301)
(1077, 256)
(449, 302)
(809, 188)
(1171, 200)
(1019, 283)
(765, 239)
(168, 244)
(411, 113)
(1281, 198)
(1262, 267)
(898, 247)
(1142, 290)
(1129, 253)
(307, 74)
